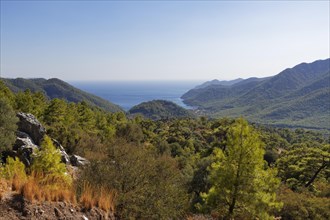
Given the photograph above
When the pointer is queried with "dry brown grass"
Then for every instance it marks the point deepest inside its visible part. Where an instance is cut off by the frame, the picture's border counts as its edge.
(18, 182)
(99, 197)
(106, 200)
(30, 190)
(36, 188)
(3, 187)
(87, 197)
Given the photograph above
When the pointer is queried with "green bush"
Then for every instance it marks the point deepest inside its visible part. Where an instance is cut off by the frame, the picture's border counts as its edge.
(47, 162)
(13, 167)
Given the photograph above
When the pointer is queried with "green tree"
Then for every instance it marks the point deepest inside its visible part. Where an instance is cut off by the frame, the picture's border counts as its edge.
(6, 93)
(55, 112)
(302, 165)
(241, 186)
(8, 126)
(39, 104)
(24, 101)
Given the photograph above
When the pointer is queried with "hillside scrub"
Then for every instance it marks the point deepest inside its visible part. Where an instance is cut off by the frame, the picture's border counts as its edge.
(147, 187)
(173, 168)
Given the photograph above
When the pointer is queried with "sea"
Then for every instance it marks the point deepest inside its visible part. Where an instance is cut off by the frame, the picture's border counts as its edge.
(127, 94)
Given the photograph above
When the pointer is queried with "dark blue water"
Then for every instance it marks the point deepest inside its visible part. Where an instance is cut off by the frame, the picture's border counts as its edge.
(130, 93)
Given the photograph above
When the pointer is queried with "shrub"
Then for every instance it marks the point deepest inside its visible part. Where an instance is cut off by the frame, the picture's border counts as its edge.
(99, 197)
(14, 172)
(49, 179)
(46, 162)
(148, 187)
(303, 205)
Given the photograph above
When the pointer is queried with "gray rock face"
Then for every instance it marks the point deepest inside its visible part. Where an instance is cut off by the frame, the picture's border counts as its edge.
(78, 160)
(64, 156)
(31, 126)
(24, 147)
(29, 137)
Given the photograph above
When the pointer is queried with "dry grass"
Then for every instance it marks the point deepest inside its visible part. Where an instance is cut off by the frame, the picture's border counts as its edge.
(37, 188)
(99, 197)
(106, 200)
(3, 187)
(87, 197)
(17, 182)
(30, 190)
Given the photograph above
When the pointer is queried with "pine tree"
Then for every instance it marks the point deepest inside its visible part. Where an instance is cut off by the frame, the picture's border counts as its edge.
(241, 186)
(8, 126)
(302, 165)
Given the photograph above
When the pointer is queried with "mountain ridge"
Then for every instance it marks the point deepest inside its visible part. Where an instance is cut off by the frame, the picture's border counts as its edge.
(295, 96)
(56, 88)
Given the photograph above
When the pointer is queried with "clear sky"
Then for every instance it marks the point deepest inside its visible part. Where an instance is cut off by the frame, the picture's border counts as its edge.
(162, 40)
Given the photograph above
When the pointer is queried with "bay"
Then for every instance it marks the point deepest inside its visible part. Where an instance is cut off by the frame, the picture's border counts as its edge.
(127, 94)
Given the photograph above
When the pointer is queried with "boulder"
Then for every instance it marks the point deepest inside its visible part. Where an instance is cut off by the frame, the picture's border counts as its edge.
(22, 139)
(29, 137)
(78, 160)
(64, 156)
(24, 147)
(31, 126)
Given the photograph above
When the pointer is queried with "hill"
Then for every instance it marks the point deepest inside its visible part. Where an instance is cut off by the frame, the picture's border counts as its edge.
(298, 96)
(160, 109)
(56, 88)
(218, 82)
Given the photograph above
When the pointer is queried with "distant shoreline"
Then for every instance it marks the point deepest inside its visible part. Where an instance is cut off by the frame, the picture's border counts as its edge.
(127, 94)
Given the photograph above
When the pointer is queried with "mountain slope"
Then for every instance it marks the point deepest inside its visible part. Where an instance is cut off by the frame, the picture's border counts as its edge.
(160, 109)
(55, 88)
(217, 82)
(296, 96)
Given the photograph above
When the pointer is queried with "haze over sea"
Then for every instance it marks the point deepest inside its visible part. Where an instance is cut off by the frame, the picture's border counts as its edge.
(127, 94)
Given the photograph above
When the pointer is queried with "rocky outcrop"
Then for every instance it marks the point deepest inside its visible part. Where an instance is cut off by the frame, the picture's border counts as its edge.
(64, 156)
(24, 147)
(78, 161)
(29, 137)
(31, 126)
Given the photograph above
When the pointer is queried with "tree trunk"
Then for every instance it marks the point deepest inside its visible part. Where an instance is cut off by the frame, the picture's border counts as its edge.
(315, 175)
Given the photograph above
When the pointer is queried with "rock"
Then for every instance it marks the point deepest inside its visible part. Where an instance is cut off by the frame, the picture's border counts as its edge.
(29, 137)
(8, 153)
(24, 147)
(22, 139)
(58, 213)
(64, 156)
(78, 160)
(84, 217)
(31, 126)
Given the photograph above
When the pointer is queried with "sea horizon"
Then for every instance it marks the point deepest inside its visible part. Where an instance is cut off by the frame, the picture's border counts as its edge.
(128, 93)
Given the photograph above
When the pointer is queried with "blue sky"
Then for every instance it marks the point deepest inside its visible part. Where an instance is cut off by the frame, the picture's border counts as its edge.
(160, 40)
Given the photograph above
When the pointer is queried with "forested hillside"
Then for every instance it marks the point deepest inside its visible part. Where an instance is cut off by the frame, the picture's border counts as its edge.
(296, 97)
(55, 88)
(190, 168)
(160, 109)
